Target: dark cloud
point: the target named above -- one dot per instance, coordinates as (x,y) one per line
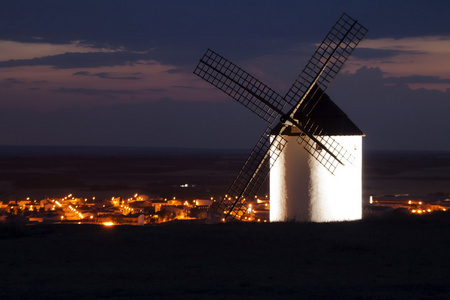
(174,71)
(84,91)
(106,75)
(10,82)
(368,53)
(416,79)
(109,75)
(186,87)
(82,73)
(39,81)
(155,90)
(13,81)
(79,60)
(393,116)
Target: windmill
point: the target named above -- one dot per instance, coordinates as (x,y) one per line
(301,115)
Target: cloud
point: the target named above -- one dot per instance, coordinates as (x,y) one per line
(110,75)
(39,81)
(392,115)
(416,79)
(16,82)
(186,87)
(80,60)
(422,62)
(370,53)
(417,44)
(174,71)
(92,92)
(106,75)
(9,81)
(11,50)
(82,73)
(157,90)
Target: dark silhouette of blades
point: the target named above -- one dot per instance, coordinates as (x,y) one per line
(240,85)
(316,146)
(312,83)
(326,62)
(316,140)
(252,175)
(252,93)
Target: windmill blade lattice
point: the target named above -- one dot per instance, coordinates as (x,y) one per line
(324,157)
(260,99)
(252,175)
(240,85)
(325,63)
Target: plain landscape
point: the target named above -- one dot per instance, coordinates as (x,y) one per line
(400,257)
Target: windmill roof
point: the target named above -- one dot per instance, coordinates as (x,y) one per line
(331,119)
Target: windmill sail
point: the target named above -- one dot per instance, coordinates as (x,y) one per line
(252,175)
(240,85)
(325,63)
(265,103)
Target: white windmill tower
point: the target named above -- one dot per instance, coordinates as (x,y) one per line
(301,189)
(304,185)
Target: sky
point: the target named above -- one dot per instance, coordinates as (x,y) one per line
(119,73)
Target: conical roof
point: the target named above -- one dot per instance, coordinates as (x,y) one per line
(331,119)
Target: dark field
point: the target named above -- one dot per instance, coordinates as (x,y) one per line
(116,173)
(370,259)
(403,257)
(107,172)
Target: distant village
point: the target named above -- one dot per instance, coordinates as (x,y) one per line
(136,210)
(406,204)
(142,210)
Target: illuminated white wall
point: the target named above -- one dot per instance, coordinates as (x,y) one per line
(302,190)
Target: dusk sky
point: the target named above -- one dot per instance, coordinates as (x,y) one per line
(119,73)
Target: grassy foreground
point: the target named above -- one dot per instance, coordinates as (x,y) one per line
(406,258)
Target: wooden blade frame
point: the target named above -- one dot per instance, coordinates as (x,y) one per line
(240,85)
(252,175)
(325,63)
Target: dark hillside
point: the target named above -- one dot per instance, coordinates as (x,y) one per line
(373,259)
